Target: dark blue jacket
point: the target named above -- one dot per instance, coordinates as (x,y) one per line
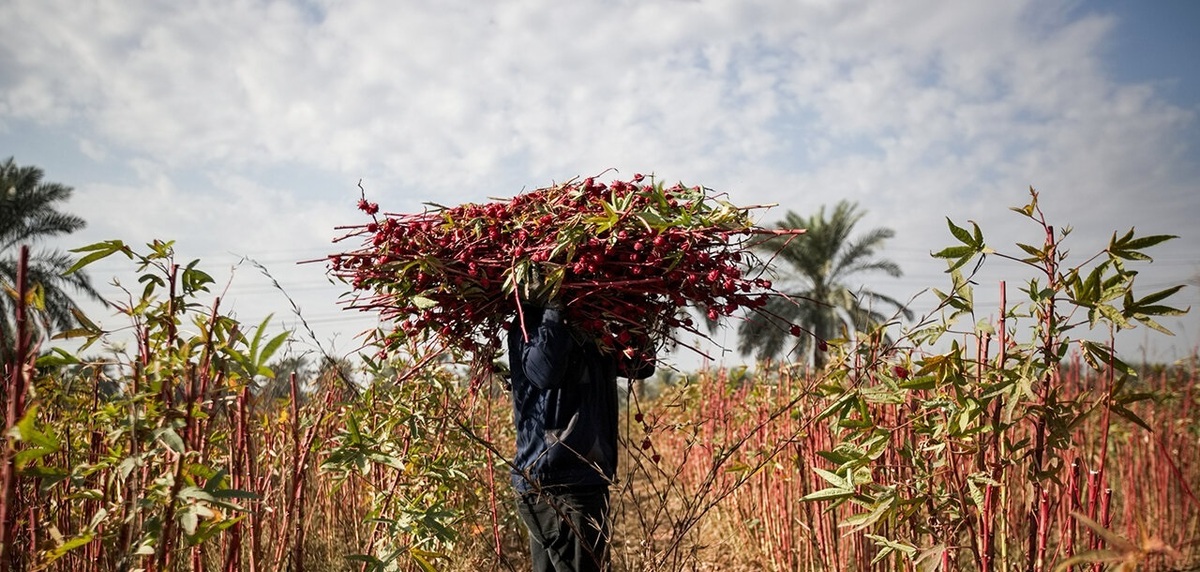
(564,404)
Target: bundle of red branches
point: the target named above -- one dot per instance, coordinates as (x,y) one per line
(625,259)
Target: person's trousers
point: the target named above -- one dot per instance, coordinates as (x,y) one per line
(568,529)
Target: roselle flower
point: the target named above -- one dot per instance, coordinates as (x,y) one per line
(623,258)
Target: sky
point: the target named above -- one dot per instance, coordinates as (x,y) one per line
(242,129)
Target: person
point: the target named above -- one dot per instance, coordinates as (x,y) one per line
(564,392)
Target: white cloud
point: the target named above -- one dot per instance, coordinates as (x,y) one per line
(917,110)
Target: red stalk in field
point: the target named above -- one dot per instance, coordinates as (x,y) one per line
(301,449)
(1105,515)
(9,503)
(1043,533)
(987,550)
(238,479)
(491,477)
(250,469)
(1110,381)
(1071,528)
(1093,507)
(298,477)
(164,551)
(1038,529)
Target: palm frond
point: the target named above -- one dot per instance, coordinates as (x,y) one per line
(821,263)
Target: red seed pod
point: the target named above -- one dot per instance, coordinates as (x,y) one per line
(367,207)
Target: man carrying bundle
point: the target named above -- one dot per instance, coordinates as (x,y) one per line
(564,391)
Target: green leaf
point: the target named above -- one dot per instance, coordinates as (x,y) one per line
(842,486)
(234,494)
(1153,325)
(194,280)
(1115,316)
(888,546)
(1030,207)
(827,494)
(954,252)
(208,529)
(844,403)
(1159,296)
(961,233)
(171,439)
(67,546)
(1034,252)
(860,521)
(834,478)
(1131,416)
(917,383)
(419,556)
(98,251)
(26,430)
(1129,248)
(214,482)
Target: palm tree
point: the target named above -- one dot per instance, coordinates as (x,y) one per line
(29,214)
(819,301)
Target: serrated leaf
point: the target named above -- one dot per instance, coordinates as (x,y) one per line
(1034,252)
(860,521)
(1150,323)
(922,382)
(834,478)
(1114,315)
(827,494)
(98,251)
(1131,416)
(901,546)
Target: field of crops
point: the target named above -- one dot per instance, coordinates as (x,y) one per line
(411,474)
(1017,446)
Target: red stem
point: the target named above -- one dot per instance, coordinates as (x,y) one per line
(9,503)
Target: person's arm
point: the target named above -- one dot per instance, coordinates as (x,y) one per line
(545,354)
